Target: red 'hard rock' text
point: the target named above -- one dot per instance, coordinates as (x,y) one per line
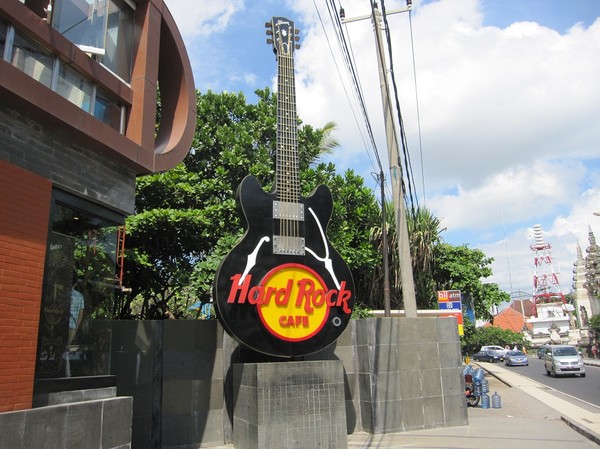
(308,295)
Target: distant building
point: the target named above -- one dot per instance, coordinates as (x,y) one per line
(78,107)
(524,307)
(509,319)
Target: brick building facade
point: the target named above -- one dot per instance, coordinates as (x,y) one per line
(78,90)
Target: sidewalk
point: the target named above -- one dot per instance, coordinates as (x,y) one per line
(531,417)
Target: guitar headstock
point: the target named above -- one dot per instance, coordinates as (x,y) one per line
(282,35)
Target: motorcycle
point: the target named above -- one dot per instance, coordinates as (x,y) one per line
(470,394)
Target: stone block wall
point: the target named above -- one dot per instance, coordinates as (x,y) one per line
(285,405)
(95,424)
(49,153)
(173,369)
(399,374)
(409,374)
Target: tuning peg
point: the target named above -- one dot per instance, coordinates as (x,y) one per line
(269,32)
(296,38)
(297,46)
(269,41)
(296,31)
(268,25)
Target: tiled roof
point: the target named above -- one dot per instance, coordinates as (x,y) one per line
(510,319)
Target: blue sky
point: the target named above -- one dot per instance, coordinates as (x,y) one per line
(508,97)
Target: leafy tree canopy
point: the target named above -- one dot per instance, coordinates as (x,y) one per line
(475,338)
(462,268)
(185,220)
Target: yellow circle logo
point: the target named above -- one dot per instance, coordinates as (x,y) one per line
(296,302)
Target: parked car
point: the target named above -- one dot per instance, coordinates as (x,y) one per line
(563,360)
(516,358)
(499,349)
(541,352)
(487,356)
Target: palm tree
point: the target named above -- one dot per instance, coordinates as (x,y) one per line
(424,234)
(328,142)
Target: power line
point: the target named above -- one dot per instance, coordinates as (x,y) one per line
(412,47)
(407,162)
(348,58)
(352,108)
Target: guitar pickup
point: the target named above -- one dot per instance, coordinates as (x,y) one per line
(288,245)
(284,210)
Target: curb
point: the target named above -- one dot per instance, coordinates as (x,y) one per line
(589,434)
(593,436)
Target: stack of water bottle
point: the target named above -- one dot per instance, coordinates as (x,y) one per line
(481,388)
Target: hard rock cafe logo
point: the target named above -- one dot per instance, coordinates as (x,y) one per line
(293,301)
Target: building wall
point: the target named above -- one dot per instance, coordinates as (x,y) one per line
(48,142)
(74,167)
(400,374)
(25,206)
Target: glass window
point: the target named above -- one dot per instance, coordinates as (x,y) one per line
(107,111)
(79,286)
(83,22)
(74,87)
(32,59)
(119,39)
(103,28)
(3,31)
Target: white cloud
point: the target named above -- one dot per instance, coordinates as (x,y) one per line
(508,119)
(203,17)
(514,259)
(520,191)
(509,116)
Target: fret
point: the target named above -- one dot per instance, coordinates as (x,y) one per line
(288,209)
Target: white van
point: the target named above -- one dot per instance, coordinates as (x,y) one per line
(499,349)
(562,360)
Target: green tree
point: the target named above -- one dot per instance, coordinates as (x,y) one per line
(424,232)
(186,220)
(595,324)
(436,265)
(476,337)
(462,268)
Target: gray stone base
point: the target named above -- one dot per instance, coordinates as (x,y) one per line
(283,405)
(93,424)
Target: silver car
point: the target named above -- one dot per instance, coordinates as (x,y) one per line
(562,360)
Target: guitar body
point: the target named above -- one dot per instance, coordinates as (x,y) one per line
(299,332)
(283,290)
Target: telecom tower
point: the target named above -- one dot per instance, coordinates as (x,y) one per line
(546,288)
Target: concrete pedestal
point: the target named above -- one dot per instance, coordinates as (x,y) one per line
(283,405)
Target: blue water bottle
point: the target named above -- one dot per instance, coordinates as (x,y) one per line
(496,400)
(485,401)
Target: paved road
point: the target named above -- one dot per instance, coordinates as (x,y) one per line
(586,389)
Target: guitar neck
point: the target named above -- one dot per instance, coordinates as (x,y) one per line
(287,182)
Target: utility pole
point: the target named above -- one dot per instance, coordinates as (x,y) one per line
(408,286)
(384,250)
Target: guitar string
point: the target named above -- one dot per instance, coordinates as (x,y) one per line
(288,169)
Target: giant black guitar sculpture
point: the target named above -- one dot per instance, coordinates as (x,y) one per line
(284,290)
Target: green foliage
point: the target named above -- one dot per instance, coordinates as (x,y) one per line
(186,220)
(474,338)
(462,268)
(595,324)
(360,311)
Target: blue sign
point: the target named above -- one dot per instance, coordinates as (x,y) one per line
(450,305)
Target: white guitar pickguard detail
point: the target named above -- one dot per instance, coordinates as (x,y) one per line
(251,259)
(326,260)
